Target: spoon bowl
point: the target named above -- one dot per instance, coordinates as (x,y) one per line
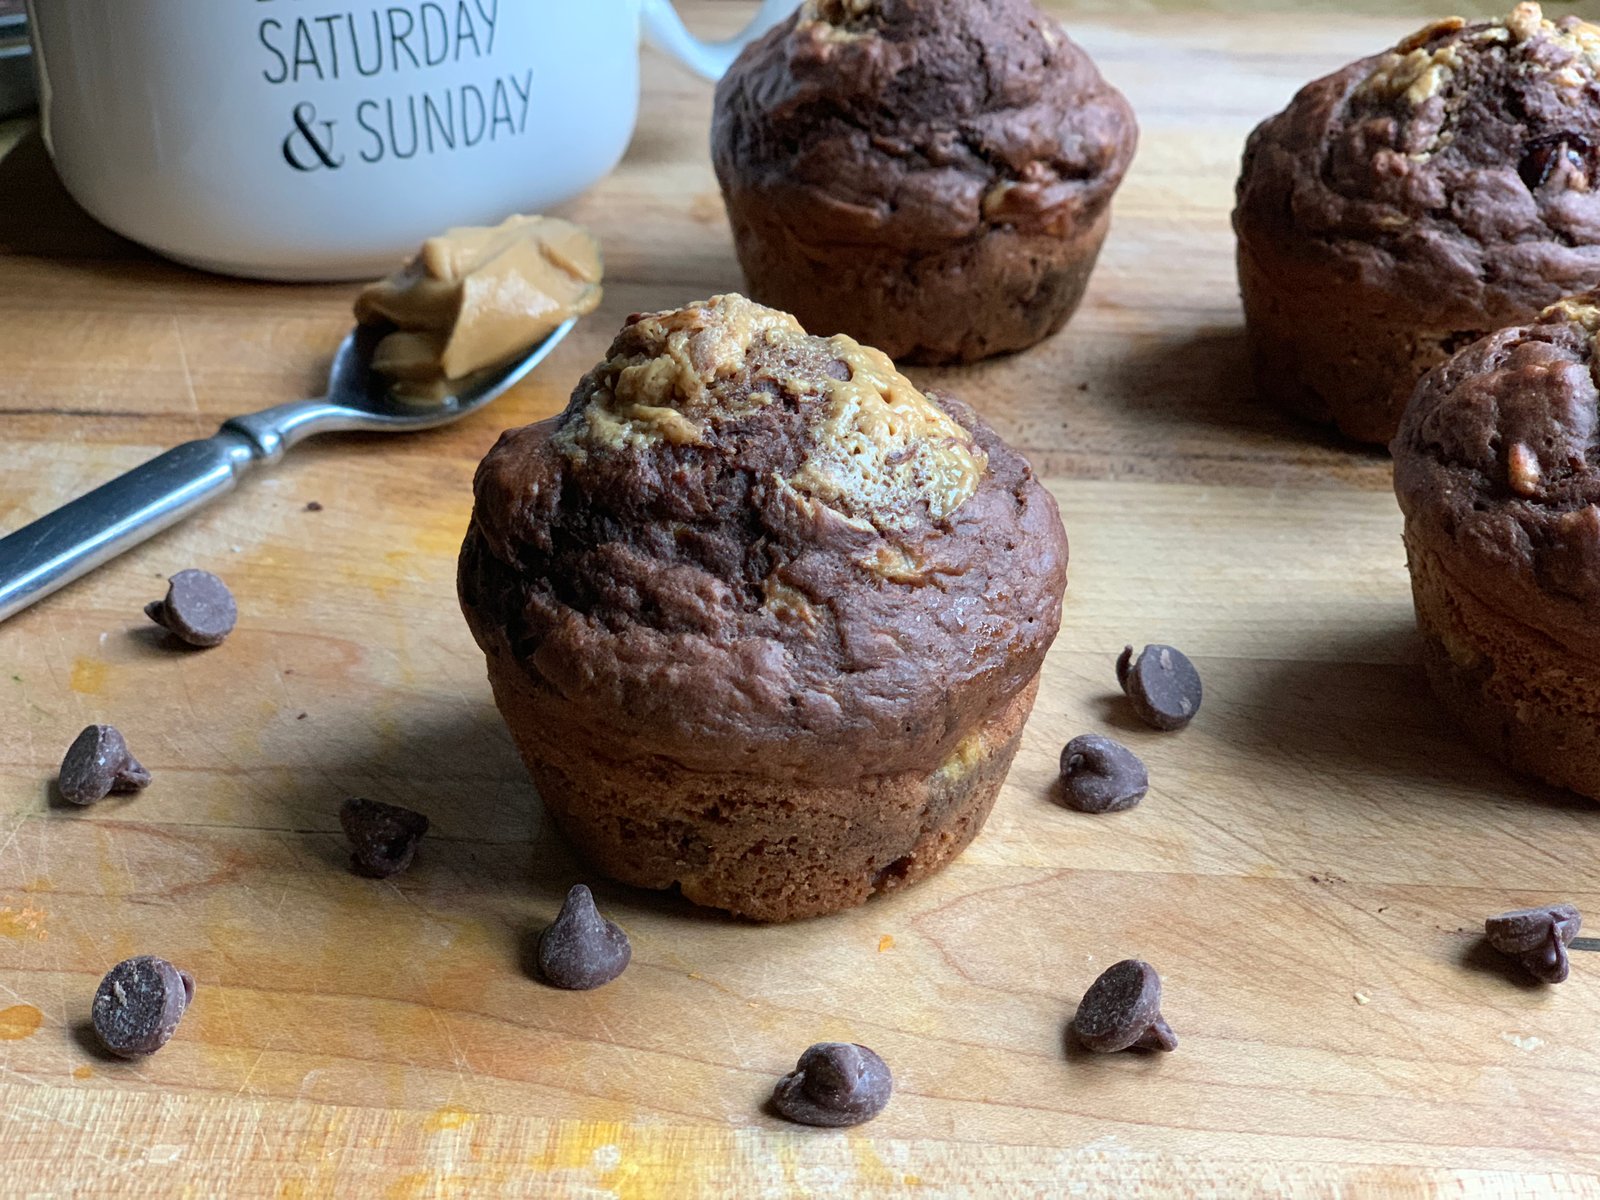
(354,385)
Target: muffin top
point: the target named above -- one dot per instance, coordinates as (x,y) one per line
(910,122)
(1459,165)
(742,547)
(1495,463)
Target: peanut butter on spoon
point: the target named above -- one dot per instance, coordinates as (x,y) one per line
(476,296)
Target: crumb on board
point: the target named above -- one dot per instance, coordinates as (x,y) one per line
(885,942)
(1363,998)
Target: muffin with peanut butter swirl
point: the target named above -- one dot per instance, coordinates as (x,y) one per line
(1497,468)
(1414,202)
(764,620)
(933,177)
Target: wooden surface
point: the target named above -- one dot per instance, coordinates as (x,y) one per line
(1308,872)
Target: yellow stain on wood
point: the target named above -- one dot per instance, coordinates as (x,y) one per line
(26,922)
(646,1168)
(632,1163)
(448,1117)
(407,1187)
(571,1146)
(788,1158)
(885,942)
(319,1187)
(19,1021)
(88,677)
(42,884)
(83,1072)
(871,1170)
(441,537)
(308,1189)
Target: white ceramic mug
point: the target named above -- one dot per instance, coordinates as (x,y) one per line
(324,139)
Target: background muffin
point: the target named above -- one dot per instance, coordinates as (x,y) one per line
(933,177)
(764,620)
(1495,471)
(1413,202)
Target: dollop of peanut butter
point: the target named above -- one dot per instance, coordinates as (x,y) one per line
(477,296)
(879,451)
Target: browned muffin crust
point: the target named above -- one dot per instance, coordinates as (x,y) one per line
(1414,201)
(1496,471)
(758,571)
(931,176)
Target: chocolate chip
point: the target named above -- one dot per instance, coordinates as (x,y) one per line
(139,1004)
(97,764)
(1122,1010)
(1538,937)
(1542,155)
(199,608)
(837,368)
(581,949)
(1162,685)
(383,837)
(834,1084)
(1099,775)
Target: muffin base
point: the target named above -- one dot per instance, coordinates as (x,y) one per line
(1521,695)
(1328,349)
(993,294)
(759,848)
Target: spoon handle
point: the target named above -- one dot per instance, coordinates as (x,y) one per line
(81,535)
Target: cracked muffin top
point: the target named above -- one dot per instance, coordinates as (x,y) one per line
(743,546)
(1461,164)
(916,122)
(1496,462)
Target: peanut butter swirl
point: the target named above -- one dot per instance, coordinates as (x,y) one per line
(879,450)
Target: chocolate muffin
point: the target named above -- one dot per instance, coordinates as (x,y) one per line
(933,177)
(764,620)
(1496,471)
(1414,202)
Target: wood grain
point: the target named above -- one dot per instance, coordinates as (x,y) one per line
(1308,872)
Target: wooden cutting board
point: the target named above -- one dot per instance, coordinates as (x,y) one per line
(1309,871)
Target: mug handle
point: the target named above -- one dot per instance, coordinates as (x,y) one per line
(665,30)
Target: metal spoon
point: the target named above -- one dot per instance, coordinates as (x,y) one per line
(78,537)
